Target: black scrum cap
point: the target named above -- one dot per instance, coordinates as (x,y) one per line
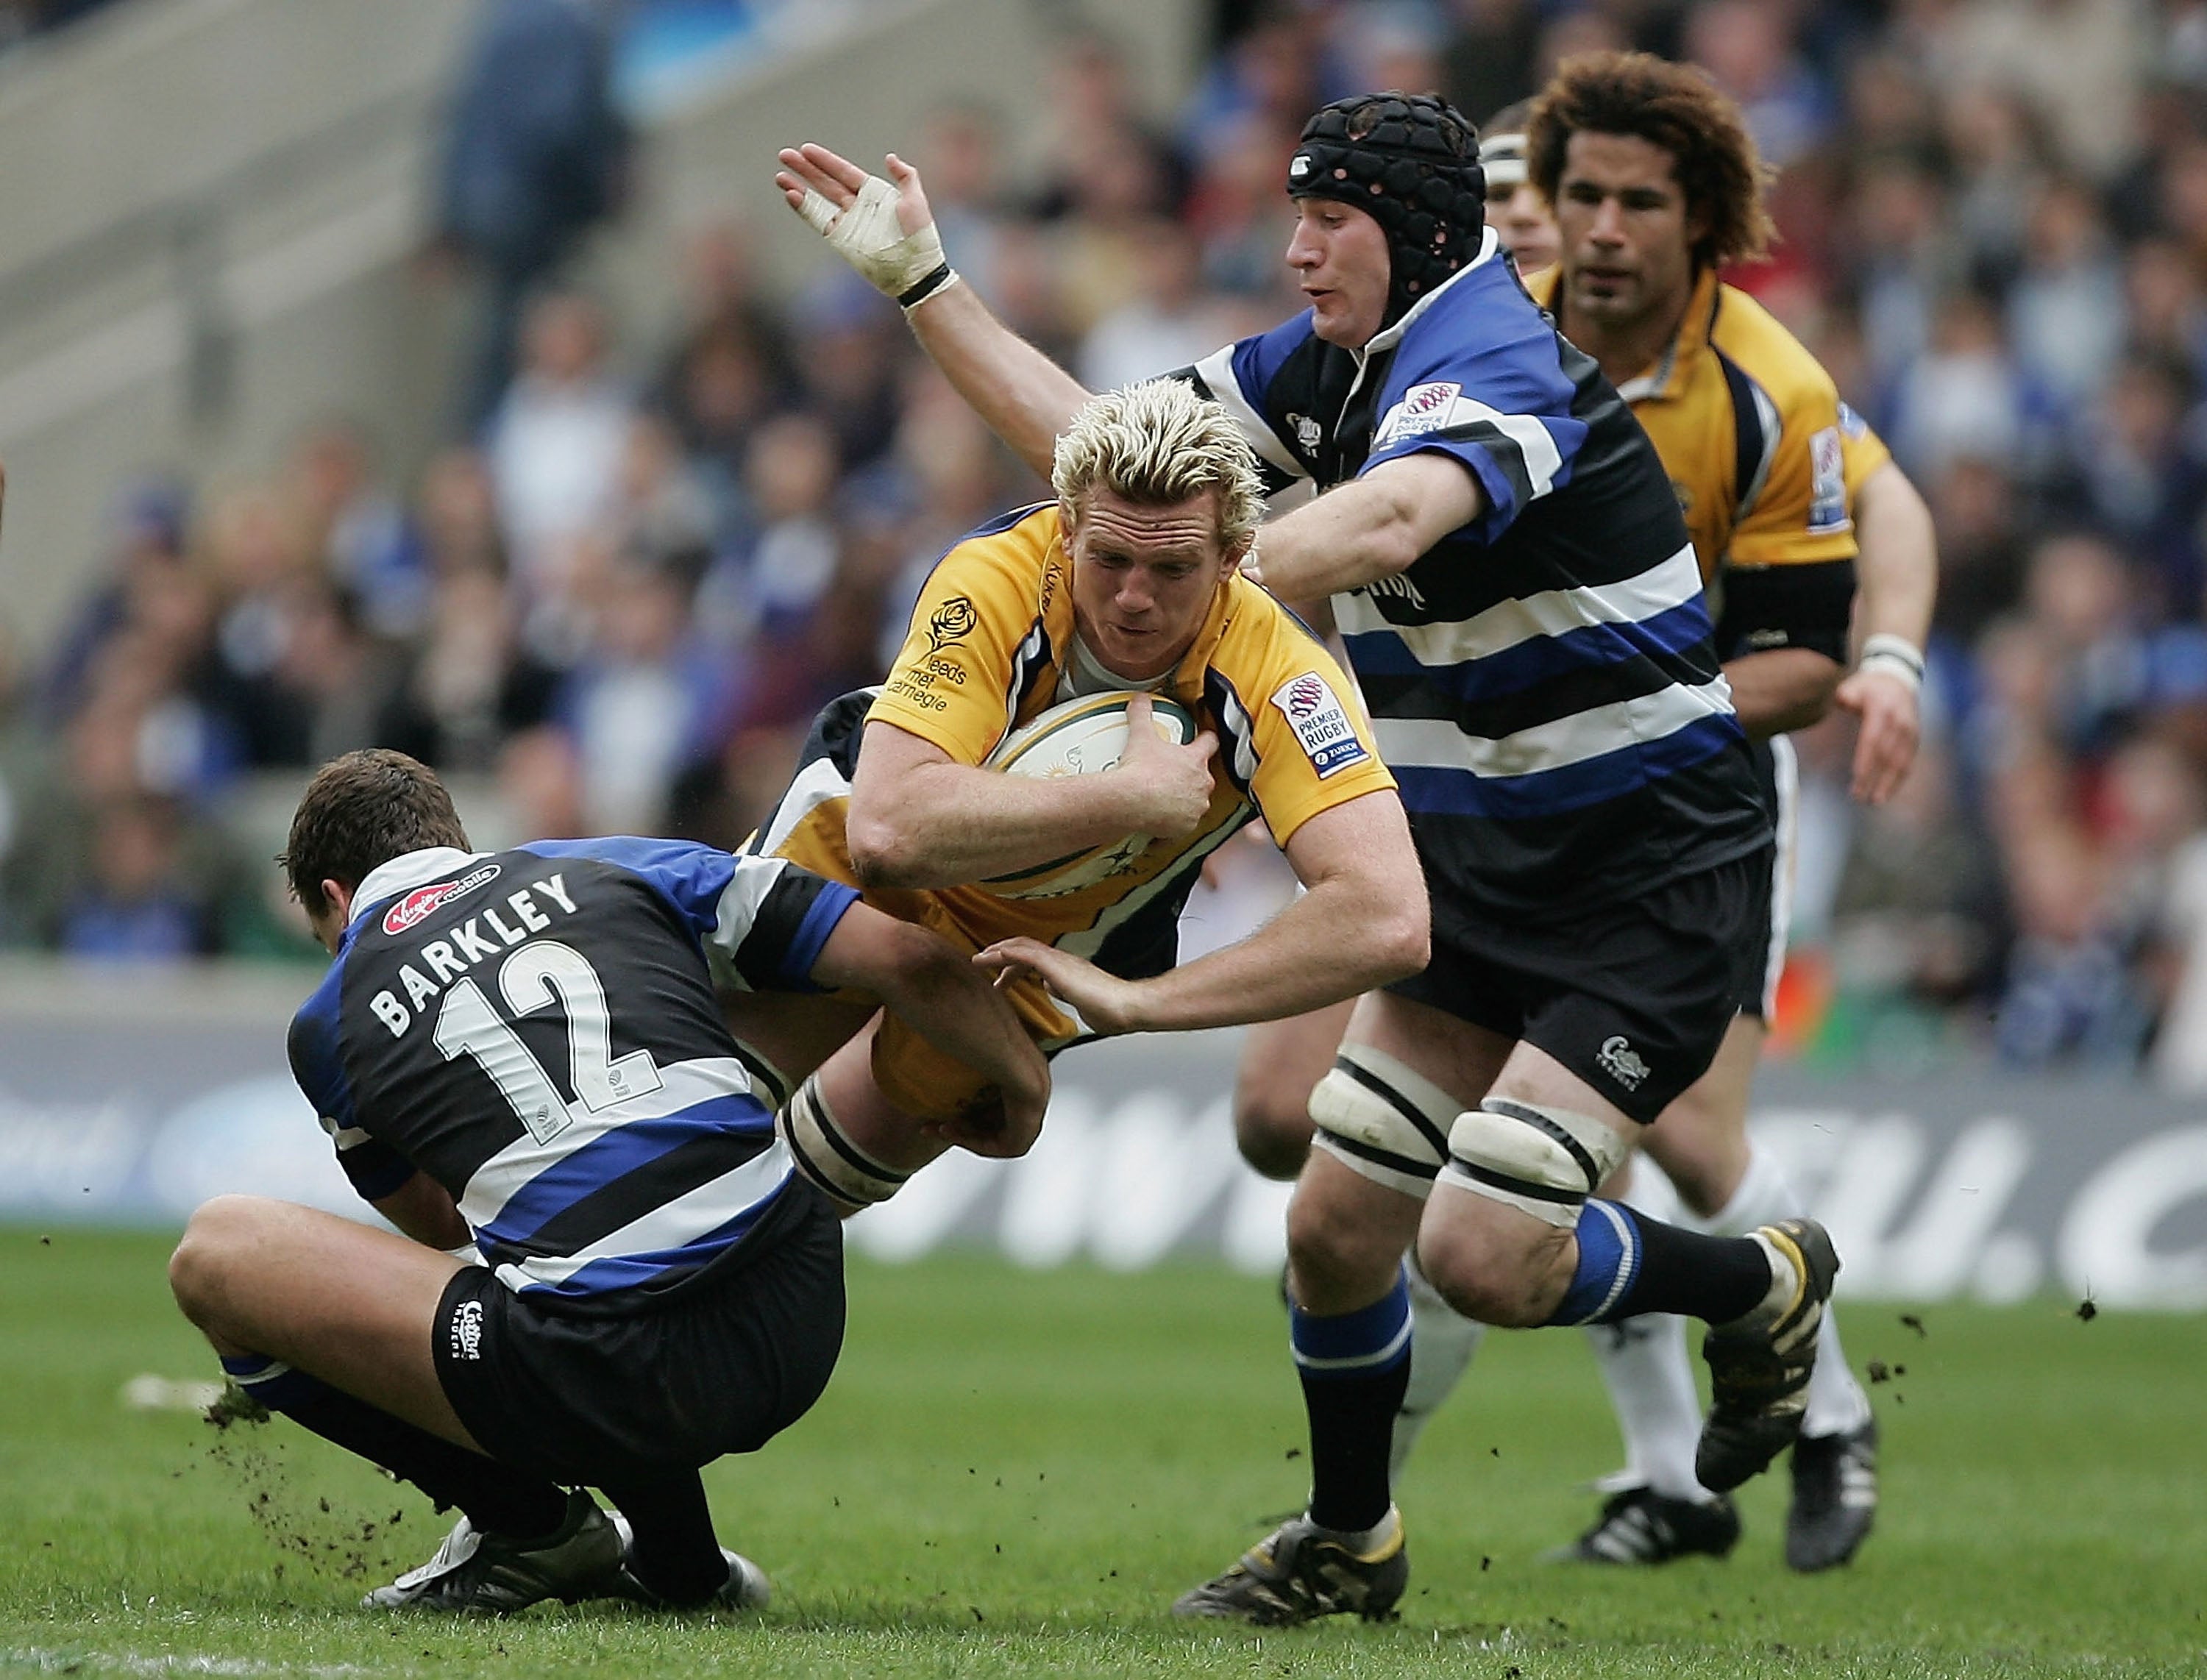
(1410,162)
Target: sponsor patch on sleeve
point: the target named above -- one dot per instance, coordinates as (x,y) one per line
(1321,723)
(1827,493)
(1424,408)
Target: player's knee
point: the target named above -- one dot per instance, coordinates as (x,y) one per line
(1540,1163)
(208,1254)
(1332,1246)
(1488,1270)
(1272,1129)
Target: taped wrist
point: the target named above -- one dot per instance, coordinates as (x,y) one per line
(827,1158)
(1895,655)
(1540,1160)
(868,236)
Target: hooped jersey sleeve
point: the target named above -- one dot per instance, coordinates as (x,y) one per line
(1490,393)
(762,921)
(976,637)
(1240,378)
(372,1167)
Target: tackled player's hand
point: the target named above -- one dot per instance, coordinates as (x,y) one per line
(884,230)
(1173,784)
(1887,712)
(1105,1002)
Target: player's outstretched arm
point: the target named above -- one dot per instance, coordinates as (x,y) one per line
(919,818)
(884,230)
(1898,579)
(1362,923)
(939,994)
(1370,528)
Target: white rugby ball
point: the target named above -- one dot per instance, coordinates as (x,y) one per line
(1082,737)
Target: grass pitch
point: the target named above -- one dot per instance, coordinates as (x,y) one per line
(1015,1472)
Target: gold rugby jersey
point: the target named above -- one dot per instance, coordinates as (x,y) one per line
(990,640)
(1764,461)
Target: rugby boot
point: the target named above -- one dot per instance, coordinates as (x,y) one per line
(1640,1526)
(747,1588)
(1835,1498)
(1759,1365)
(487,1575)
(1300,1572)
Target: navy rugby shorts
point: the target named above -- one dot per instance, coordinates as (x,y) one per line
(1633,997)
(719,1366)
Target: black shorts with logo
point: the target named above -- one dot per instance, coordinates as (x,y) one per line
(1633,997)
(719,1366)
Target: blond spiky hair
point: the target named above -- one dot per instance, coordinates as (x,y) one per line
(1156,444)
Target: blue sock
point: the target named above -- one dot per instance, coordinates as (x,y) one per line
(1355,1367)
(495,1497)
(1629,1264)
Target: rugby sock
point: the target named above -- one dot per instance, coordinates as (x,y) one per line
(1837,1401)
(497,1499)
(1651,1387)
(1628,1264)
(1355,1367)
(1442,1343)
(672,1551)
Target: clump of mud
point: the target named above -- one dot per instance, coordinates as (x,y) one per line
(332,1542)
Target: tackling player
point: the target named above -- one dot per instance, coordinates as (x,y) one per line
(521,1054)
(1523,608)
(1656,185)
(1126,583)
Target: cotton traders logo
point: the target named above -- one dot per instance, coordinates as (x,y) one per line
(467,1331)
(411,911)
(1621,1061)
(950,622)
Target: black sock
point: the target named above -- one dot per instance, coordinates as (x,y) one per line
(1628,1263)
(672,1551)
(1355,1368)
(497,1499)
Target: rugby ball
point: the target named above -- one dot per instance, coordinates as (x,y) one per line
(1082,737)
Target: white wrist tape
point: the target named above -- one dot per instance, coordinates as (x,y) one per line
(1895,655)
(869,238)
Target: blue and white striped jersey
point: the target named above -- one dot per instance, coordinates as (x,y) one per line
(1542,682)
(537,1029)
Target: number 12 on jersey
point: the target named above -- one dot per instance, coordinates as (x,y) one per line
(534,977)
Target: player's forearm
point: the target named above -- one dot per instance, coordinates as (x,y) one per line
(1354,534)
(1020,394)
(422,1209)
(1371,528)
(1781,691)
(941,996)
(949,825)
(1347,936)
(1897,573)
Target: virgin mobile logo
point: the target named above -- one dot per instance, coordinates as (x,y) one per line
(410,910)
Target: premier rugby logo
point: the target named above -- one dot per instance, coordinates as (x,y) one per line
(416,906)
(1424,408)
(1320,723)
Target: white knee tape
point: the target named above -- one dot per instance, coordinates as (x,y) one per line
(1542,1161)
(830,1159)
(1382,1118)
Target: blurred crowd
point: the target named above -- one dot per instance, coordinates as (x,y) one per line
(615,598)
